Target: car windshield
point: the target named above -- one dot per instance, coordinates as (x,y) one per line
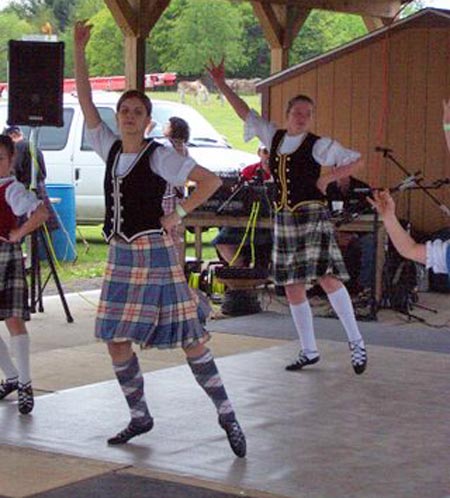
(202,133)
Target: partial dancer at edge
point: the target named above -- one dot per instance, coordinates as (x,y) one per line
(433,254)
(15,203)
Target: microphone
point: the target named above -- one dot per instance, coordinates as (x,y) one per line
(384,150)
(408,182)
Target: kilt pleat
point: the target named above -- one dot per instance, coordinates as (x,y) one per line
(13,286)
(305,247)
(145,297)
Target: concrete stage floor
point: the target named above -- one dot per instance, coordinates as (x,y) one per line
(320,433)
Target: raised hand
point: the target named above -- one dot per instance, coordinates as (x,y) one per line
(383,202)
(82,33)
(168,221)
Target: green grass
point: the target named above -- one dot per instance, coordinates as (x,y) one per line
(92,253)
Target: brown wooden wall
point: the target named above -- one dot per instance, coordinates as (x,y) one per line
(405,76)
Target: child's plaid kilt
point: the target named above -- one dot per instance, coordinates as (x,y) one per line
(145,297)
(305,247)
(13,286)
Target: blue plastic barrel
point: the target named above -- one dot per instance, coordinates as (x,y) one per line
(62,197)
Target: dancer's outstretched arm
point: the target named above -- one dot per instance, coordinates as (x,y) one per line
(217,73)
(82,33)
(403,242)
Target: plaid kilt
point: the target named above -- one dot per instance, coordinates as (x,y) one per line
(305,247)
(13,286)
(145,297)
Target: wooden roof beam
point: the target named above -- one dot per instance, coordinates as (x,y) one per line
(376,8)
(280,25)
(151,11)
(125,16)
(136,17)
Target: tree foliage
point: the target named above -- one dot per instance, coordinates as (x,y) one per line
(11,28)
(105,48)
(254,45)
(324,31)
(57,12)
(197,30)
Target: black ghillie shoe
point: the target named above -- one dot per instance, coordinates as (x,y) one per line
(235,436)
(8,386)
(302,361)
(131,430)
(359,357)
(26,399)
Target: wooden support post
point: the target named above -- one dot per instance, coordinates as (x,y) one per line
(135,62)
(136,18)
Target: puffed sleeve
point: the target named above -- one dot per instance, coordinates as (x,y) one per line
(329,152)
(173,167)
(436,255)
(101,138)
(21,200)
(256,126)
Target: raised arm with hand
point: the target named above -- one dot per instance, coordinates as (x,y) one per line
(217,73)
(82,33)
(446,121)
(403,242)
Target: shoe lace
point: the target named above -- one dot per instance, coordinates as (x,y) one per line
(358,354)
(302,359)
(26,396)
(235,433)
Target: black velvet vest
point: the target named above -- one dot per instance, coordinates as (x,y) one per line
(132,201)
(295,174)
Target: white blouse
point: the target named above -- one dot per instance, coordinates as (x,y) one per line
(326,151)
(21,201)
(436,255)
(164,161)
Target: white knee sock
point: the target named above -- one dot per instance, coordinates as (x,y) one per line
(343,306)
(6,363)
(303,321)
(20,347)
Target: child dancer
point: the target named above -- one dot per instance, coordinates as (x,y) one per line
(145,298)
(15,201)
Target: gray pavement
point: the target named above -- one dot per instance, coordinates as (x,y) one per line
(322,433)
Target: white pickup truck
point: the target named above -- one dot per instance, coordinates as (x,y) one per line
(70,160)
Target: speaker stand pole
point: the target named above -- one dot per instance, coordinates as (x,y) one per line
(37,288)
(51,263)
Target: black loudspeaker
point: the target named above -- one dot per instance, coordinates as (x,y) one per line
(35,83)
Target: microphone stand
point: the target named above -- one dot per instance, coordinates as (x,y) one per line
(387,153)
(411,182)
(228,201)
